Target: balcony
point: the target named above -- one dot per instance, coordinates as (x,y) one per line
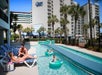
(3,16)
(4,4)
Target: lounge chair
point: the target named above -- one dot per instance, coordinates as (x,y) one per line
(33,61)
(4,58)
(7,48)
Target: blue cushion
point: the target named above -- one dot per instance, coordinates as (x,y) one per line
(2,52)
(15,51)
(29,60)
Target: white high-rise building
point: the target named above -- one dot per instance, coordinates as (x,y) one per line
(39,14)
(94,12)
(42,9)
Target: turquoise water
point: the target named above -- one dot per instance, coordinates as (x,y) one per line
(84,55)
(67,68)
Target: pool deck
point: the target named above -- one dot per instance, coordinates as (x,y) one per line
(23,69)
(98,54)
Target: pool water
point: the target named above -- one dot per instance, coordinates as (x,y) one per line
(67,68)
(84,55)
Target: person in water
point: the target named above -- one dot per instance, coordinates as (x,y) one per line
(20,59)
(54,58)
(49,50)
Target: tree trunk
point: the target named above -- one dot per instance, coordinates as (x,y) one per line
(60,39)
(75,31)
(53,30)
(91,41)
(65,32)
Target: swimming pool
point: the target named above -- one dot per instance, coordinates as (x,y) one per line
(84,55)
(68,67)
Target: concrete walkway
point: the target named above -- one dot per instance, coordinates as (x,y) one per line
(98,54)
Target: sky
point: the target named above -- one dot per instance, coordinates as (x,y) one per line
(26,6)
(20,5)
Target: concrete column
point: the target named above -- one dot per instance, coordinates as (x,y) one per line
(1,37)
(8,37)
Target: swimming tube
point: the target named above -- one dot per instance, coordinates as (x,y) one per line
(48,53)
(56,64)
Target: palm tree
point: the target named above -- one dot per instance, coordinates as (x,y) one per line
(93,23)
(42,29)
(19,27)
(15,23)
(85,28)
(49,32)
(52,20)
(91,40)
(98,23)
(59,31)
(64,21)
(39,32)
(28,30)
(76,11)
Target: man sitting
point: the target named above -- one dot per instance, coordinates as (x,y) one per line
(22,51)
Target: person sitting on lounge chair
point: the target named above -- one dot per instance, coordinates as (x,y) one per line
(20,59)
(22,51)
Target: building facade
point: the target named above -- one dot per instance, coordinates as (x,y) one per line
(23,18)
(4,22)
(42,9)
(94,12)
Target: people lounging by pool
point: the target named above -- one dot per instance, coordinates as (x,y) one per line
(20,59)
(22,51)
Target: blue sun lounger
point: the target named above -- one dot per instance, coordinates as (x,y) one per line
(6,49)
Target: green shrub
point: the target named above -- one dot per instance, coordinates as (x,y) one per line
(100,49)
(14,36)
(90,47)
(27,39)
(95,48)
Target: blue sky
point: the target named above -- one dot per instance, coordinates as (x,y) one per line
(20,5)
